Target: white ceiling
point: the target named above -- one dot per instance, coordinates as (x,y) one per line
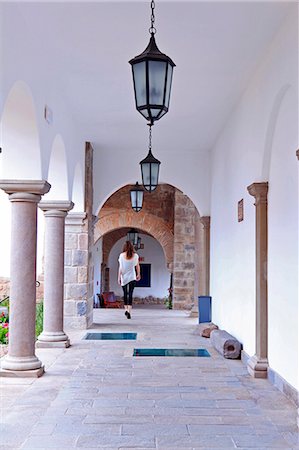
(85,47)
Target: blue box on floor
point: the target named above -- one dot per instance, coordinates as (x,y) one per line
(204,308)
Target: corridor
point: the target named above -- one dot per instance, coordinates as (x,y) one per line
(96,395)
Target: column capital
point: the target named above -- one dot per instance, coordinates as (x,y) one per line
(54,208)
(75,218)
(297,153)
(37,187)
(259,191)
(206,221)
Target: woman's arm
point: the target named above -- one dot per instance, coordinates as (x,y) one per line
(119,272)
(138,271)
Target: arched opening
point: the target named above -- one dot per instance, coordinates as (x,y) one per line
(78,190)
(19,143)
(57,173)
(20,137)
(170,223)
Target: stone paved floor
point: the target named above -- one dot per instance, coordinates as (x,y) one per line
(95,395)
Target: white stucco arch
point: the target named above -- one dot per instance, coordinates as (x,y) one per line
(78,189)
(57,171)
(20,136)
(273,118)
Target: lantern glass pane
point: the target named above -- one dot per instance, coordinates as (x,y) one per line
(133,199)
(139,199)
(145,167)
(156,71)
(140,83)
(168,85)
(155,174)
(155,112)
(144,112)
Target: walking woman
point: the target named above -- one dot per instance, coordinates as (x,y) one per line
(128,274)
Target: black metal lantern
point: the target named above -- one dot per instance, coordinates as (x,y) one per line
(138,245)
(132,236)
(136,197)
(152,77)
(150,168)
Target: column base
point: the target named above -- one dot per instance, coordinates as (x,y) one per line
(258,367)
(53,344)
(54,338)
(20,363)
(35,373)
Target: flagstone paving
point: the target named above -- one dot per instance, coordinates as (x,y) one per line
(96,395)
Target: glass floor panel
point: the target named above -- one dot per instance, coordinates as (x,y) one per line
(171,352)
(110,336)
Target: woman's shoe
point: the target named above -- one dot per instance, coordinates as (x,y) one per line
(126,313)
(129,315)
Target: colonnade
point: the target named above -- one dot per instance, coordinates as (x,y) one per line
(25,197)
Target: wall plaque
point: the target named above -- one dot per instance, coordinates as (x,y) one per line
(241,210)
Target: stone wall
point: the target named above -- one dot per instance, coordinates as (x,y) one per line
(160,203)
(4,287)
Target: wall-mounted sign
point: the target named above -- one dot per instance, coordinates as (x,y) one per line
(141,258)
(241,210)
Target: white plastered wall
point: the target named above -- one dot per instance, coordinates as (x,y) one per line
(259,144)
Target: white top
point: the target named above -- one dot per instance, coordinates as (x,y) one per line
(127,268)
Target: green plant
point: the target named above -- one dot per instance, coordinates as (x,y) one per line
(168,301)
(4,332)
(39,318)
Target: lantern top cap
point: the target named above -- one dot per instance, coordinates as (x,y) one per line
(150,159)
(137,187)
(152,53)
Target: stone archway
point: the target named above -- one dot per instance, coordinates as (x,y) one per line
(171,218)
(149,223)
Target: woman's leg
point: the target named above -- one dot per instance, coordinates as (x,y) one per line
(125,290)
(130,299)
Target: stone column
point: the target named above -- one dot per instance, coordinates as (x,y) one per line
(258,364)
(53,334)
(205,286)
(24,196)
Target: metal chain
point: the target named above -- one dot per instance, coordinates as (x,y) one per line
(150,138)
(152,29)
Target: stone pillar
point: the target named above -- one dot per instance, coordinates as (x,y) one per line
(24,196)
(53,334)
(258,364)
(205,286)
(78,306)
(184,252)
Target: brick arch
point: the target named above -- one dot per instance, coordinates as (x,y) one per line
(143,221)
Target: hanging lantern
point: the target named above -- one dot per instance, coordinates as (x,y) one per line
(132,236)
(152,78)
(136,197)
(138,245)
(150,168)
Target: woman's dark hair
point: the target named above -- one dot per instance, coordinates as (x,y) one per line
(129,249)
